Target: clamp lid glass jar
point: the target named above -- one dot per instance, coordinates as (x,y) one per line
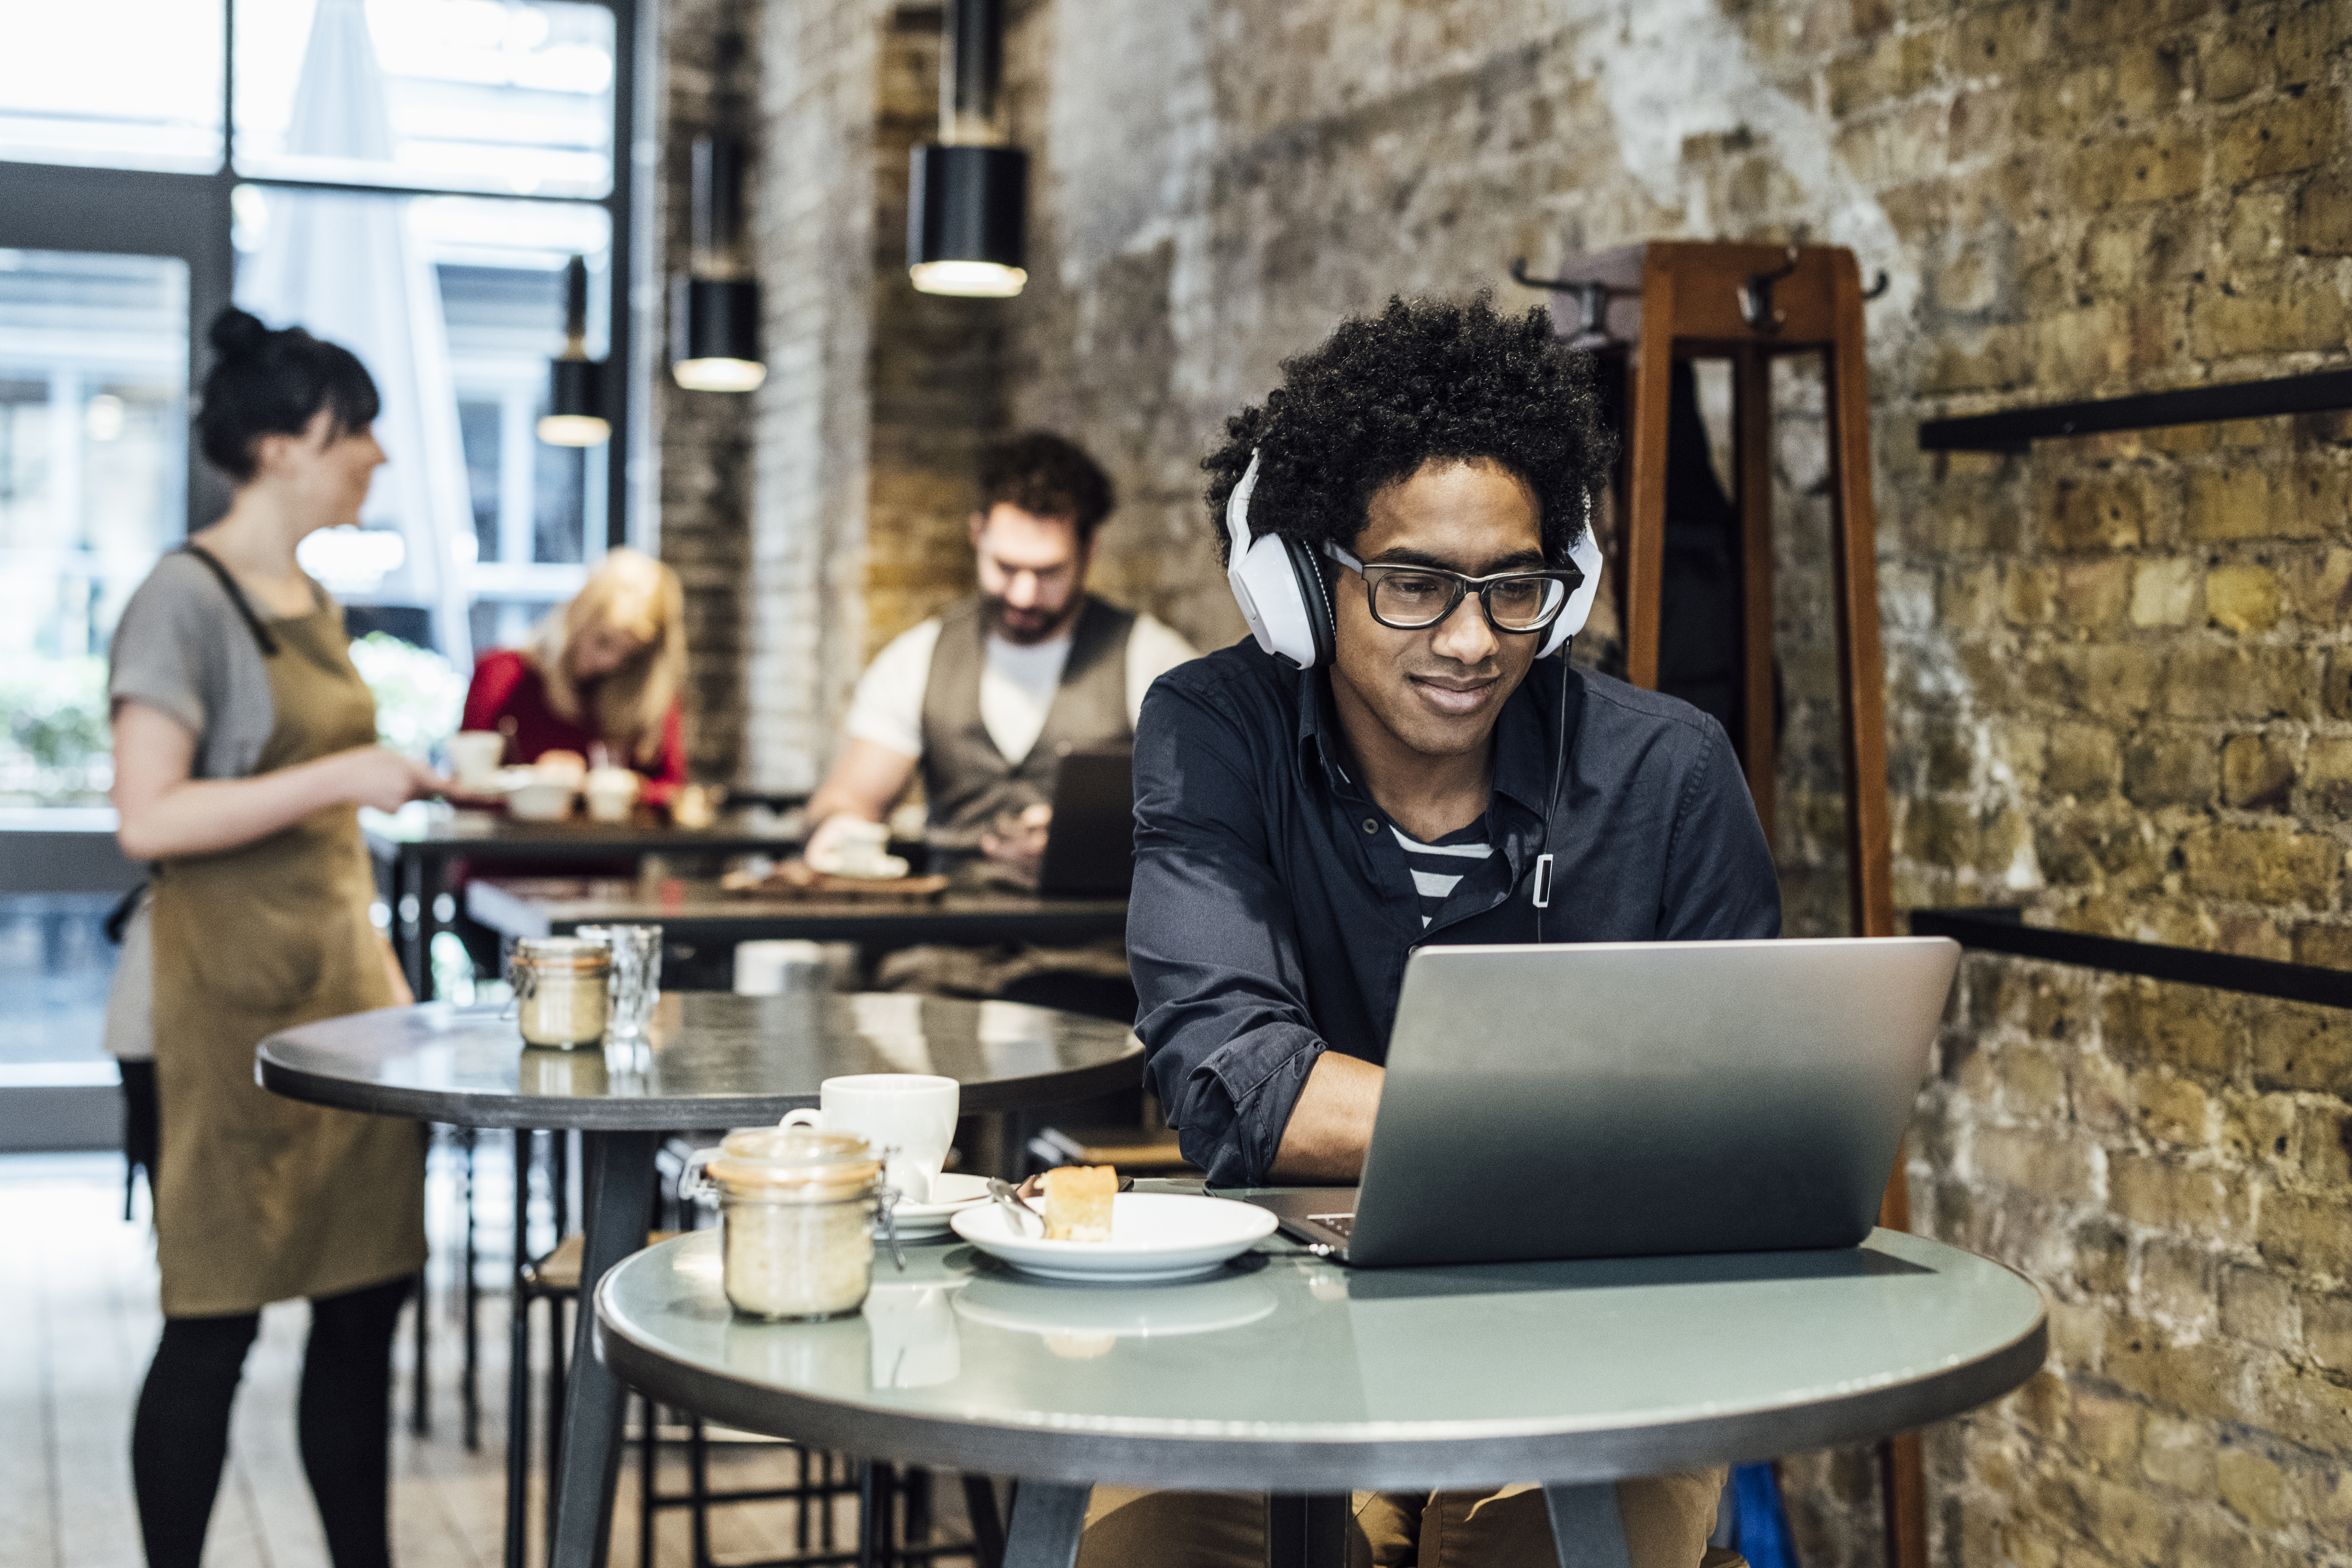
(796,1209)
(559,986)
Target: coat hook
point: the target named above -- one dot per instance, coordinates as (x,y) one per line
(1557,285)
(1592,299)
(1755,297)
(1878,286)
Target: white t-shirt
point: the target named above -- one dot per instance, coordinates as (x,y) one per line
(1015,688)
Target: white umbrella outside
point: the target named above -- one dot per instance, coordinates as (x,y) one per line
(348,267)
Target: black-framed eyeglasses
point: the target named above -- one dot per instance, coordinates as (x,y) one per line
(1406,598)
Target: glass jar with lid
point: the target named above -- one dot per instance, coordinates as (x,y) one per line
(559,987)
(796,1213)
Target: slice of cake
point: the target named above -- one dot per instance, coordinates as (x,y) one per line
(1077,1203)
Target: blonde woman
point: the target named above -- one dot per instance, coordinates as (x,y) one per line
(605,670)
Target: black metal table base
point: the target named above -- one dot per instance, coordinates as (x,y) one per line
(1047,1519)
(1310,1531)
(618,1198)
(1586,1528)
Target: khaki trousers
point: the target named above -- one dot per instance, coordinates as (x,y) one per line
(1668,1520)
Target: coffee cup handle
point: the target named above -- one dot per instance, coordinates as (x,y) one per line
(804,1117)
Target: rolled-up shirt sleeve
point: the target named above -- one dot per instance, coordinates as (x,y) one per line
(1212,940)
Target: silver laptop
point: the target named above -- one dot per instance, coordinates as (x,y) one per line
(1630,1099)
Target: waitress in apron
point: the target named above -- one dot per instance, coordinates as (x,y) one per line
(244,743)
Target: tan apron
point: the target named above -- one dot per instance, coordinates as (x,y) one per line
(259,1198)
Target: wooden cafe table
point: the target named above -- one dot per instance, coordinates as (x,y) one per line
(1287,1374)
(715,1060)
(694,913)
(417,843)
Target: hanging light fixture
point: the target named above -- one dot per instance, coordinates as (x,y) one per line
(969,197)
(575,390)
(715,309)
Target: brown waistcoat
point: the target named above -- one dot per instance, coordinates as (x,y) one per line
(967,781)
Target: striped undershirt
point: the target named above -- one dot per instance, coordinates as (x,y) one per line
(1439,868)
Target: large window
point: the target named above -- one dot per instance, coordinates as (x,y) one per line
(123,84)
(405,177)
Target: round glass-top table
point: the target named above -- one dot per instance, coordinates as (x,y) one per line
(1288,1374)
(712,1060)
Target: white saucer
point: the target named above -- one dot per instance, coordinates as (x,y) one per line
(1153,1235)
(951,1193)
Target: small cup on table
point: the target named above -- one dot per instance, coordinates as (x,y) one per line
(910,1116)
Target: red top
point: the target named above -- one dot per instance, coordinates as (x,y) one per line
(508,686)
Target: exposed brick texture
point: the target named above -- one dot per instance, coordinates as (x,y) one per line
(705,437)
(2118,676)
(815,222)
(937,368)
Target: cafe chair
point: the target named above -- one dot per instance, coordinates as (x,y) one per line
(553,1277)
(822,1477)
(894,1514)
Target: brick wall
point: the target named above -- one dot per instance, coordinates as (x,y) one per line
(705,437)
(2114,683)
(813,218)
(2119,686)
(937,371)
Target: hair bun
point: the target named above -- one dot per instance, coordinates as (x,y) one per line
(237,333)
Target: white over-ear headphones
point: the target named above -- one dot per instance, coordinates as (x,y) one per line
(1280,587)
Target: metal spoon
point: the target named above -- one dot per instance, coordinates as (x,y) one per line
(1008,1194)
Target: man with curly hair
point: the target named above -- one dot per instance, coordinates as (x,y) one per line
(1300,830)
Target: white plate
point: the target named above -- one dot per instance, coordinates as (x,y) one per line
(950,1195)
(1153,1235)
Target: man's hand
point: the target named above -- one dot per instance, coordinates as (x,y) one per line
(1019,846)
(1331,1124)
(863,783)
(822,850)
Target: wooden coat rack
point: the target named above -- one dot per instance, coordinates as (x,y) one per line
(1751,304)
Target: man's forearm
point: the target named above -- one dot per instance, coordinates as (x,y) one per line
(1331,1125)
(863,783)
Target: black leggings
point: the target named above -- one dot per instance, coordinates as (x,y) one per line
(179,1440)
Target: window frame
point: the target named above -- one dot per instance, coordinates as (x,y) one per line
(87,207)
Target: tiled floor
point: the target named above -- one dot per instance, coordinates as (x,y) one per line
(77,1321)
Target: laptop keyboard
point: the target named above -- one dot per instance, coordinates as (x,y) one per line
(1343,1223)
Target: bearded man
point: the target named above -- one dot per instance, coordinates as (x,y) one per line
(987,697)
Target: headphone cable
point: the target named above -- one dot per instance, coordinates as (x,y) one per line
(1545,862)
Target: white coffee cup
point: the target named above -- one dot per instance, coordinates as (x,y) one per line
(475,755)
(846,847)
(610,793)
(911,1114)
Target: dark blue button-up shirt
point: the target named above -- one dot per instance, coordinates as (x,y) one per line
(1270,923)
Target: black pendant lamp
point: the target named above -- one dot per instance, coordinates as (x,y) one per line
(970,194)
(575,392)
(714,308)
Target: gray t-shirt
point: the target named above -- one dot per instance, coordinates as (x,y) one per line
(182,648)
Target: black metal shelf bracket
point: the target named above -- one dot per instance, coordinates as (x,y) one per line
(2016,429)
(2005,931)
